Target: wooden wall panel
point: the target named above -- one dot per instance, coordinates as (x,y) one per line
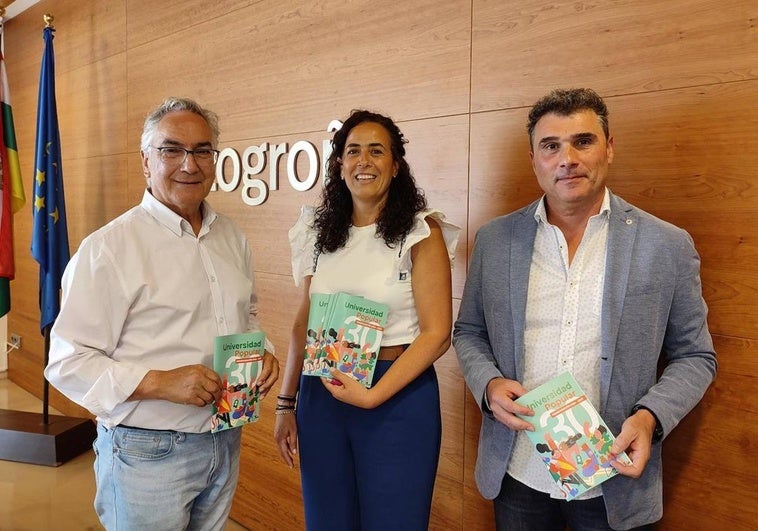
(500,172)
(147,24)
(452,396)
(91,108)
(447,504)
(711,442)
(95,188)
(523,49)
(22,40)
(276,68)
(478,512)
(688,156)
(679,78)
(84,34)
(135,185)
(438,154)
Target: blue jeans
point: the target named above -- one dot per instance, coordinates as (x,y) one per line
(520,508)
(165,480)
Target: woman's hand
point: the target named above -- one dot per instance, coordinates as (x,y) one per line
(285,429)
(345,389)
(285,435)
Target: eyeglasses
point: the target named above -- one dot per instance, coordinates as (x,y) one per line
(177,155)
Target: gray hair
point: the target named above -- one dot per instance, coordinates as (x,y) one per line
(173,104)
(565,102)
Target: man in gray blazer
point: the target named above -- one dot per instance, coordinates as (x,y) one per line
(581,281)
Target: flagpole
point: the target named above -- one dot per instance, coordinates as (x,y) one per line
(48,18)
(45,383)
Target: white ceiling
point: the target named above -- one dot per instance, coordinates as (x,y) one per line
(17,7)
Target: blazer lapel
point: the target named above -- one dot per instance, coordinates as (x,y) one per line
(524,231)
(622,230)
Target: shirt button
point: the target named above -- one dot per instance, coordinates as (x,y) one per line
(213,279)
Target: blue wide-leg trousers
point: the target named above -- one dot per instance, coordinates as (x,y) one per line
(369,470)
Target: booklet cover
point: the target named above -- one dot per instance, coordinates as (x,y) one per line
(344,332)
(569,435)
(238,360)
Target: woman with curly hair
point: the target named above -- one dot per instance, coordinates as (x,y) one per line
(368,457)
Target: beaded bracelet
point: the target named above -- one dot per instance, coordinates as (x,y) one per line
(285,404)
(284,411)
(286,398)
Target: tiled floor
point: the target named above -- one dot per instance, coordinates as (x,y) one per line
(41,498)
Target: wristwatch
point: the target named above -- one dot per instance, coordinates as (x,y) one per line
(658,431)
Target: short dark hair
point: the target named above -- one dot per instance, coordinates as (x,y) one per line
(565,102)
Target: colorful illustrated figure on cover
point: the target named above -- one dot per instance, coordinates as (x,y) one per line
(237,405)
(574,464)
(344,333)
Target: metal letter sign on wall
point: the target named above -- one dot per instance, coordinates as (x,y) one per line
(244,169)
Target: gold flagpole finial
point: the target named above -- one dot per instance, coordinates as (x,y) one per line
(2,13)
(48,20)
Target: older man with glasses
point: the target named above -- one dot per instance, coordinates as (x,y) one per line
(143,298)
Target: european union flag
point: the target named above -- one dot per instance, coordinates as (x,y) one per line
(49,232)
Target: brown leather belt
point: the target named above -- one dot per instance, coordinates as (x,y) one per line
(391,353)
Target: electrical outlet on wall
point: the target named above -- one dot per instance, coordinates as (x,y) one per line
(15,340)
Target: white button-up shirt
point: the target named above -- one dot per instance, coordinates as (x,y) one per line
(145,293)
(562,326)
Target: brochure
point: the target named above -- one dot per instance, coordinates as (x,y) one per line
(344,332)
(238,360)
(571,438)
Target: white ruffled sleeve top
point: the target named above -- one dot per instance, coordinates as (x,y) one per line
(366,266)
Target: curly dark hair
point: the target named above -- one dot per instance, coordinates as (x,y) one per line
(333,217)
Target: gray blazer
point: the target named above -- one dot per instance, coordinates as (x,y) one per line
(652,307)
